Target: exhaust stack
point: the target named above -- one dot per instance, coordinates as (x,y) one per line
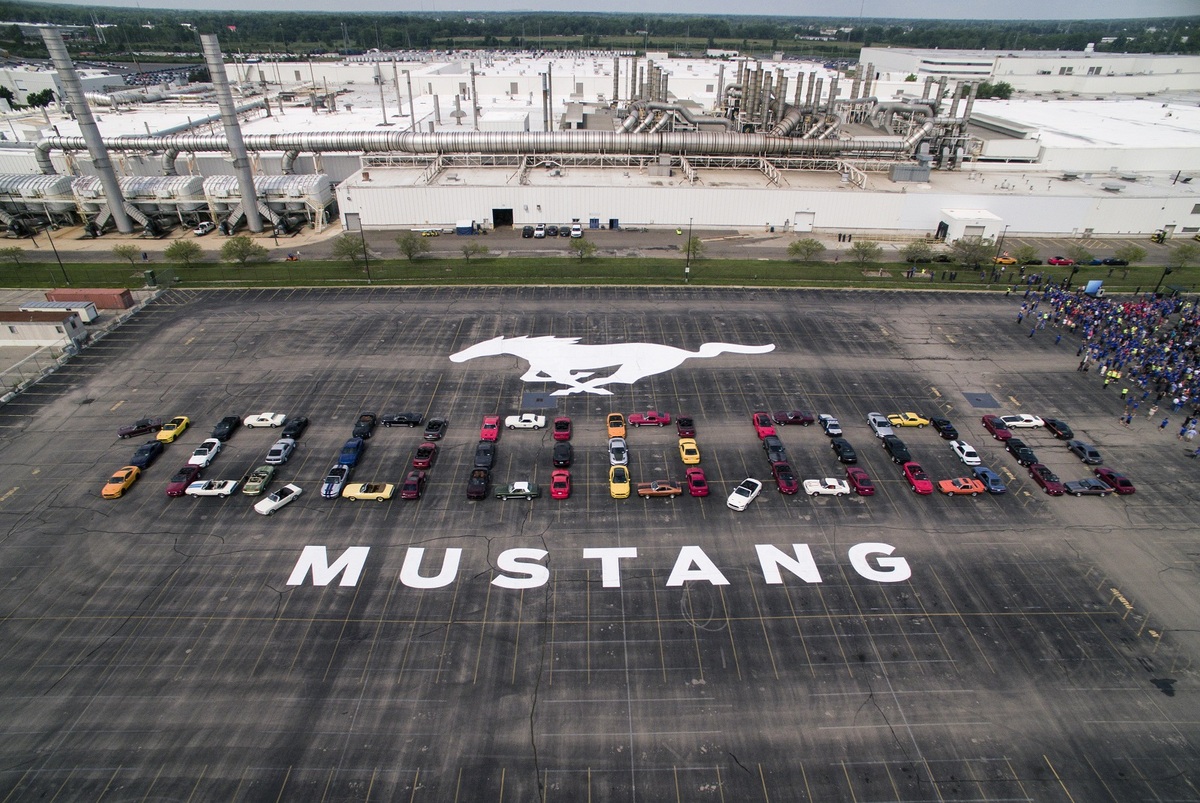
(233,131)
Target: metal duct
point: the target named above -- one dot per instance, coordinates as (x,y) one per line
(928,86)
(808,96)
(854,86)
(93,142)
(954,100)
(974,87)
(869,79)
(764,103)
(780,95)
(833,91)
(190,124)
(233,130)
(788,122)
(636,111)
(941,94)
(288,165)
(817,102)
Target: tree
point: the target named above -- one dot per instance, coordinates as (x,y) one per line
(13,253)
(126,251)
(1130,253)
(694,248)
(242,250)
(349,246)
(474,249)
(412,245)
(864,252)
(39,99)
(972,251)
(1081,255)
(184,251)
(805,250)
(583,248)
(916,251)
(911,78)
(1183,253)
(1024,254)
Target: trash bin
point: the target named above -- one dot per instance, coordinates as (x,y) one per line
(151,279)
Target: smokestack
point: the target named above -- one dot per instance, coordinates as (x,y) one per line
(633,73)
(869,80)
(233,131)
(941,94)
(954,101)
(88,128)
(474,104)
(974,87)
(720,104)
(616,79)
(412,111)
(545,107)
(928,86)
(550,93)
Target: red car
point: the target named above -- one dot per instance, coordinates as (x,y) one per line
(562,428)
(801,417)
(763,425)
(697,484)
(560,483)
(784,478)
(650,418)
(1046,478)
(182,479)
(1060,261)
(685,426)
(1118,481)
(915,475)
(425,455)
(859,481)
(414,485)
(994,425)
(490,430)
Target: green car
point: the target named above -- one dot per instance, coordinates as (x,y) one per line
(258,480)
(519,490)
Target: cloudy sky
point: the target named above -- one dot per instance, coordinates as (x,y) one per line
(910,9)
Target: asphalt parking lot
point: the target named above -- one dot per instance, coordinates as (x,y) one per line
(935,648)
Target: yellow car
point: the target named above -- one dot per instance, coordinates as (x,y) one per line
(120,482)
(173,429)
(689,452)
(618,482)
(378,491)
(1004,260)
(907,420)
(616,425)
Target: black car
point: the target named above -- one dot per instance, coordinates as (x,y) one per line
(435,428)
(897,449)
(146,454)
(1113,262)
(479,482)
(485,454)
(224,429)
(844,451)
(1058,429)
(562,454)
(774,449)
(365,425)
(1085,452)
(564,231)
(527,233)
(140,427)
(1020,450)
(944,428)
(294,427)
(402,420)
(552,230)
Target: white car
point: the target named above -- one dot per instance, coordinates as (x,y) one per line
(280,451)
(205,453)
(744,494)
(265,420)
(618,452)
(1022,421)
(829,486)
(576,231)
(831,425)
(539,231)
(278,499)
(211,488)
(879,424)
(525,421)
(204,228)
(966,453)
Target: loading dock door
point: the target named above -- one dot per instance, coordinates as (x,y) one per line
(803,221)
(502,218)
(974,232)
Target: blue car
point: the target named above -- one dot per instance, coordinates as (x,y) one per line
(990,479)
(352,452)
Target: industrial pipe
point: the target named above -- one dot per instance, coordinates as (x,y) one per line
(233,131)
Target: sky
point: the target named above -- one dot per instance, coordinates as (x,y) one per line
(903,9)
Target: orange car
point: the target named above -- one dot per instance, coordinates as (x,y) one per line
(961,486)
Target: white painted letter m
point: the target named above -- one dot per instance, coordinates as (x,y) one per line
(349,565)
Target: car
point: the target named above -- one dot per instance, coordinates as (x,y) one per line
(650,418)
(1060,261)
(896,449)
(1004,259)
(990,479)
(409,420)
(961,486)
(479,483)
(565,231)
(560,484)
(879,424)
(173,429)
(1089,486)
(576,231)
(489,430)
(618,482)
(527,232)
(525,421)
(205,453)
(552,230)
(425,455)
(413,485)
(539,231)
(562,455)
(1113,262)
(485,454)
(360,491)
(294,428)
(745,493)
(365,425)
(562,428)
(829,486)
(831,425)
(146,454)
(335,480)
(221,488)
(658,488)
(1022,421)
(1059,429)
(1115,480)
(844,451)
(140,427)
(205,227)
(908,419)
(120,482)
(1046,478)
(351,453)
(519,490)
(860,481)
(966,453)
(689,452)
(801,417)
(1020,450)
(994,425)
(280,451)
(284,496)
(225,428)
(763,425)
(184,477)
(616,425)
(773,446)
(697,483)
(618,452)
(435,428)
(944,428)
(685,427)
(916,477)
(265,420)
(1089,454)
(785,478)
(258,480)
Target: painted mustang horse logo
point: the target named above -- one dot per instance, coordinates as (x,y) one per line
(563,360)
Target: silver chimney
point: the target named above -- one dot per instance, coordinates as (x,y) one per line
(233,131)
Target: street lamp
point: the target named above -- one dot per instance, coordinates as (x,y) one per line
(366,258)
(1166,272)
(687,264)
(57,257)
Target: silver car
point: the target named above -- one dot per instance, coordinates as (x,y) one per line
(879,424)
(280,451)
(618,452)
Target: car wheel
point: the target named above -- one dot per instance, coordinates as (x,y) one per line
(1079,494)
(814,493)
(512,427)
(224,496)
(839,494)
(379,499)
(974,493)
(920,426)
(274,425)
(948,493)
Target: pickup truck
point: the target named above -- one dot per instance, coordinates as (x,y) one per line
(519,490)
(650,418)
(658,488)
(525,421)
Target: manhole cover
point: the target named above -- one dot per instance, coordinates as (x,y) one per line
(983,400)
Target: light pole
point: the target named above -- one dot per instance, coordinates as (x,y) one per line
(366,258)
(687,264)
(1000,245)
(1166,272)
(57,257)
